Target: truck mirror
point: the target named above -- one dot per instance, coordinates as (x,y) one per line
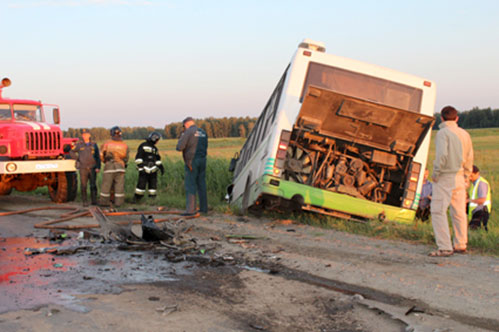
(56,116)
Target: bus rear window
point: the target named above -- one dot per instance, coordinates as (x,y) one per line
(363,86)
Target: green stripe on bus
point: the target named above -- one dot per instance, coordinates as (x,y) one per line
(336,201)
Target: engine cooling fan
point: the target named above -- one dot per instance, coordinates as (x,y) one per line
(299,164)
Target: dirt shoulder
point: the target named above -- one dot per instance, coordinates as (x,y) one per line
(464,287)
(285,277)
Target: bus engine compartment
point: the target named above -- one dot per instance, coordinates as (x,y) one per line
(354,147)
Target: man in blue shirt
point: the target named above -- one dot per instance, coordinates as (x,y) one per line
(194,145)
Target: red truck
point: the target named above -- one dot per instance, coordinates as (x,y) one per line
(33,153)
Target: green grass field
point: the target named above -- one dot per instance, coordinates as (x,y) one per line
(171,190)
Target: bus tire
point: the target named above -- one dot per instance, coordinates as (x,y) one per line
(246,196)
(58,189)
(297,202)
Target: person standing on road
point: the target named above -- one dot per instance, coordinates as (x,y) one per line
(194,145)
(114,153)
(451,173)
(86,153)
(148,163)
(480,200)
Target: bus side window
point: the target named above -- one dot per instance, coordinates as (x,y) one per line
(262,126)
(245,152)
(278,93)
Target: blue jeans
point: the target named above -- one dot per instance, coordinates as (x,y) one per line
(195,181)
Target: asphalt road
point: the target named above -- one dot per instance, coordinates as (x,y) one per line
(277,277)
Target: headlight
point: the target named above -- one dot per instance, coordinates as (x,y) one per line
(11,167)
(3,149)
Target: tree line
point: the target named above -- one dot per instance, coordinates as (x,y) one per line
(242,126)
(475,118)
(214,127)
(101,133)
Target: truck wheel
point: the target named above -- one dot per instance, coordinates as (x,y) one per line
(72,185)
(58,190)
(4,191)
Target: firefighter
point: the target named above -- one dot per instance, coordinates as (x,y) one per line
(148,163)
(86,153)
(114,153)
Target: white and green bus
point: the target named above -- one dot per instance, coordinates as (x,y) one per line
(338,137)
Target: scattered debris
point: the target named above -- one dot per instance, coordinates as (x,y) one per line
(357,297)
(257,327)
(69,250)
(415,310)
(110,230)
(86,235)
(243,237)
(36,251)
(167,309)
(57,235)
(285,221)
(151,231)
(53,311)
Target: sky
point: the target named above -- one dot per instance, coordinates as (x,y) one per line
(152,62)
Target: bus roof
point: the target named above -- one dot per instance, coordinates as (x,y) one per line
(362,67)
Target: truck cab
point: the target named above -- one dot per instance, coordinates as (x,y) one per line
(33,153)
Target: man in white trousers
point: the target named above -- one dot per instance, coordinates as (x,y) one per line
(451,171)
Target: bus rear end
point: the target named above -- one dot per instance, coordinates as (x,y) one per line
(358,144)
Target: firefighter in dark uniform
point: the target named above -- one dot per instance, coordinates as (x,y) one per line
(194,145)
(86,153)
(148,163)
(114,153)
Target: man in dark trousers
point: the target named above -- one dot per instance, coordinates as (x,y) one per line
(423,211)
(479,200)
(194,145)
(86,153)
(148,163)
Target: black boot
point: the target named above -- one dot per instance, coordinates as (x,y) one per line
(137,198)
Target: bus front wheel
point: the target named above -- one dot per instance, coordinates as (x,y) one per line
(246,196)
